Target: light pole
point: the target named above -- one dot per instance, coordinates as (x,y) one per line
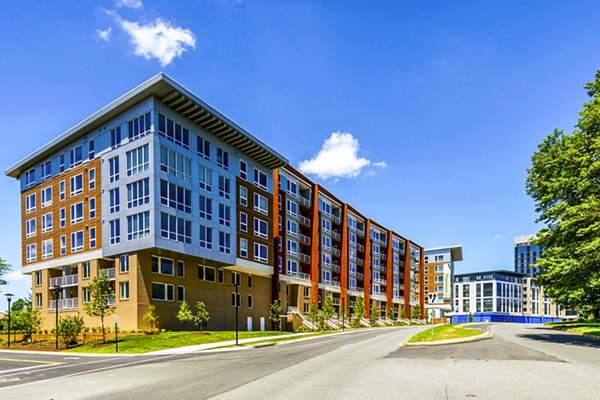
(236,283)
(9,297)
(55,291)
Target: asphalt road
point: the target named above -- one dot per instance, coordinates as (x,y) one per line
(519,362)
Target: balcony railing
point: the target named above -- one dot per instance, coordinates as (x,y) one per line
(336,220)
(360,262)
(303,276)
(360,247)
(110,272)
(304,221)
(63,281)
(334,283)
(383,256)
(304,239)
(292,310)
(361,233)
(304,201)
(65,304)
(336,301)
(304,258)
(335,268)
(336,252)
(336,236)
(356,289)
(360,276)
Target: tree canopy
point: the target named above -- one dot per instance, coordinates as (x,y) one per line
(564,181)
(4,268)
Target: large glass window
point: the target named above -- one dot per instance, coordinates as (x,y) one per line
(138,160)
(175,164)
(173,131)
(261,204)
(113,169)
(162,291)
(175,196)
(206,233)
(76,241)
(139,126)
(114,201)
(175,228)
(138,193)
(163,266)
(76,183)
(76,212)
(203,147)
(138,225)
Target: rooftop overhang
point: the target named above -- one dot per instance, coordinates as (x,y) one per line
(455,251)
(178,98)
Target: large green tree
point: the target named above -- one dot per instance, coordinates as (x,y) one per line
(564,181)
(4,268)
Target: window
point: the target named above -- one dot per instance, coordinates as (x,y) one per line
(76,156)
(206,273)
(92,238)
(292,188)
(236,278)
(243,170)
(114,201)
(47,222)
(38,300)
(161,265)
(76,212)
(124,263)
(243,248)
(76,183)
(30,228)
(250,301)
(243,196)
(91,152)
(175,164)
(115,137)
(326,209)
(92,178)
(115,231)
(46,248)
(92,206)
(224,242)
(138,193)
(261,228)
(62,190)
(139,126)
(250,281)
(224,187)
(85,294)
(221,276)
(113,167)
(261,252)
(327,245)
(292,227)
(326,277)
(175,228)
(175,196)
(46,170)
(203,147)
(138,225)
(137,160)
(326,258)
(63,245)
(180,269)
(224,215)
(205,178)
(123,290)
(222,158)
(61,163)
(205,237)
(173,131)
(236,300)
(260,179)
(76,241)
(30,178)
(243,222)
(46,196)
(180,293)
(30,203)
(326,224)
(206,208)
(292,247)
(31,252)
(162,291)
(292,267)
(261,204)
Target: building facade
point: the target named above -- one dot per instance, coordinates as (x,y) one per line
(438,280)
(173,201)
(526,256)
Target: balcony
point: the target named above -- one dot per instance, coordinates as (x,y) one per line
(304,258)
(304,202)
(64,281)
(112,300)
(304,221)
(360,247)
(356,289)
(361,233)
(334,284)
(336,301)
(383,269)
(336,252)
(336,236)
(360,262)
(65,304)
(335,268)
(304,239)
(336,220)
(360,276)
(110,272)
(383,256)
(303,276)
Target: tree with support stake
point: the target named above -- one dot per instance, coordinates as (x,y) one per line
(274,313)
(100,292)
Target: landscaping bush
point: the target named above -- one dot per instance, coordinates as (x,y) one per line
(69,328)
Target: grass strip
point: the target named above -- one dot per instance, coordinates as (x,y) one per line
(443,332)
(582,327)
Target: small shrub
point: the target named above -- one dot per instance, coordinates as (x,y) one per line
(69,328)
(94,330)
(163,330)
(303,328)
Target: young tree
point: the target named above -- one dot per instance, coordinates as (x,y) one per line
(416,312)
(26,319)
(4,268)
(563,181)
(313,313)
(328,309)
(375,314)
(390,313)
(151,317)
(274,313)
(100,292)
(202,316)
(402,313)
(359,307)
(184,315)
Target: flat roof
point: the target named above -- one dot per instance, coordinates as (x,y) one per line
(494,271)
(180,100)
(524,239)
(455,251)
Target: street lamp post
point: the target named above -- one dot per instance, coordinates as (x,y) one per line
(9,297)
(236,283)
(55,291)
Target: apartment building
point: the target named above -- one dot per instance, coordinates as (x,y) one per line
(438,279)
(526,255)
(328,247)
(167,196)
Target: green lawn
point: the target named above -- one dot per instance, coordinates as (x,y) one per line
(444,332)
(583,327)
(167,340)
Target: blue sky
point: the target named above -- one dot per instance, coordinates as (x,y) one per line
(430,111)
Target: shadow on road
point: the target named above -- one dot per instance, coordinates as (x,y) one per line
(551,336)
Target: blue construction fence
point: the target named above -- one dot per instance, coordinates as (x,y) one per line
(502,317)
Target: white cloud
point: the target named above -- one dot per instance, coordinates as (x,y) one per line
(158,39)
(130,3)
(15,276)
(497,236)
(104,35)
(338,158)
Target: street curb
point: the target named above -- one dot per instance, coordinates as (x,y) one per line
(484,335)
(266,344)
(70,354)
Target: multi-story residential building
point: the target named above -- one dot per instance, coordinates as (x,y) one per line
(536,303)
(328,247)
(438,277)
(526,256)
(167,196)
